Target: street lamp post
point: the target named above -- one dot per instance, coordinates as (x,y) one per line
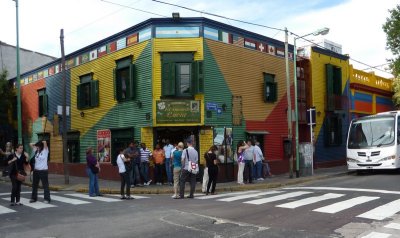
(322,31)
(18,82)
(289,108)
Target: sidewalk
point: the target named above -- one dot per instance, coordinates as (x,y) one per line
(80,184)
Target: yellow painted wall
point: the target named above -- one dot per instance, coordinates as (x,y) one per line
(206,141)
(174,45)
(370,79)
(102,69)
(318,76)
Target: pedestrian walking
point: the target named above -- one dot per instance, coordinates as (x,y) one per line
(177,162)
(92,170)
(188,155)
(257,169)
(241,147)
(40,171)
(159,158)
(5,154)
(123,173)
(145,155)
(212,165)
(168,161)
(133,153)
(16,162)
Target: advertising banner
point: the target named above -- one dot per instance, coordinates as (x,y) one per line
(104,145)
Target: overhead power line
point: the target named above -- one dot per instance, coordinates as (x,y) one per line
(140,10)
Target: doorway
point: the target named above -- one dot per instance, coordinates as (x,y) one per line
(176,135)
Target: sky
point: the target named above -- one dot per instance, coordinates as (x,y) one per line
(354,24)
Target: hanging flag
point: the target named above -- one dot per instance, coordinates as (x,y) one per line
(69,63)
(211,33)
(132,39)
(93,55)
(111,47)
(85,58)
(261,47)
(121,43)
(280,52)
(57,68)
(30,79)
(145,34)
(51,70)
(271,49)
(290,55)
(250,44)
(26,81)
(40,75)
(77,61)
(237,40)
(102,51)
(35,77)
(223,36)
(46,73)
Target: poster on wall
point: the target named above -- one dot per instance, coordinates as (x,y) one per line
(223,138)
(104,146)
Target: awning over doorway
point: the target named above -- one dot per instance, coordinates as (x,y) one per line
(258,132)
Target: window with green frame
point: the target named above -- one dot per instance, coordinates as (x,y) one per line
(43,102)
(333,130)
(124,80)
(181,76)
(270,88)
(87,92)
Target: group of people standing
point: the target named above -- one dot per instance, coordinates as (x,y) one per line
(17,162)
(250,161)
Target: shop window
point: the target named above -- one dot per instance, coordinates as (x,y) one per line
(270,88)
(87,92)
(43,102)
(124,79)
(333,130)
(181,76)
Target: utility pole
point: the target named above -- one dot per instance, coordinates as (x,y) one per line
(64,110)
(289,110)
(19,114)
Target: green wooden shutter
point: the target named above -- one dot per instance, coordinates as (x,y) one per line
(94,93)
(193,78)
(115,84)
(274,91)
(132,86)
(168,79)
(337,81)
(45,104)
(329,87)
(200,76)
(79,96)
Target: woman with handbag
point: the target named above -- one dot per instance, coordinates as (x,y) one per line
(17,174)
(212,165)
(92,169)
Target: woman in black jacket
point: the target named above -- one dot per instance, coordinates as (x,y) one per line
(16,163)
(212,165)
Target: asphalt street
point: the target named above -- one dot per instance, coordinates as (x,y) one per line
(366,205)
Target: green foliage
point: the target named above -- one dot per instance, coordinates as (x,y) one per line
(392,30)
(396,90)
(7,94)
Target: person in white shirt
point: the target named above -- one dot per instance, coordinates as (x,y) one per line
(258,165)
(145,154)
(168,161)
(125,181)
(40,171)
(189,154)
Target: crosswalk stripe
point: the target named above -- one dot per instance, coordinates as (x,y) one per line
(343,205)
(35,205)
(4,210)
(134,196)
(240,197)
(393,226)
(225,195)
(277,198)
(376,235)
(68,200)
(346,189)
(383,211)
(85,196)
(310,200)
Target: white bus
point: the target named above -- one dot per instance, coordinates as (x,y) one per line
(373,143)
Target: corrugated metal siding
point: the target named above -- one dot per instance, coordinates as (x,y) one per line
(110,113)
(174,45)
(232,70)
(318,62)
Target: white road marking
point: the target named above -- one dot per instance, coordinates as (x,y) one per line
(134,196)
(277,198)
(240,197)
(310,200)
(345,189)
(68,200)
(4,210)
(343,205)
(383,211)
(225,195)
(35,205)
(85,196)
(393,226)
(376,235)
